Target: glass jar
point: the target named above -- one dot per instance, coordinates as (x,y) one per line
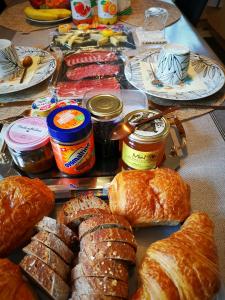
(29,144)
(106,111)
(70,128)
(107,11)
(81,11)
(145,148)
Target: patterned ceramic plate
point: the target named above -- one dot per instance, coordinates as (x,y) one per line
(205,77)
(45,67)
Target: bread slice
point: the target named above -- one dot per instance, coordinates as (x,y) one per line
(105,286)
(49,257)
(103,221)
(74,219)
(101,268)
(108,235)
(81,202)
(93,296)
(54,243)
(45,277)
(108,250)
(60,230)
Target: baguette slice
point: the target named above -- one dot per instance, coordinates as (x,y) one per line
(54,243)
(103,221)
(74,219)
(81,202)
(93,296)
(45,277)
(49,257)
(105,286)
(101,268)
(60,230)
(108,250)
(108,235)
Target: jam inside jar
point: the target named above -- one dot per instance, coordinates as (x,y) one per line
(145,148)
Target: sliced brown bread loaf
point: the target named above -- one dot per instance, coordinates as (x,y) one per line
(108,235)
(101,268)
(55,244)
(81,202)
(45,277)
(74,219)
(105,286)
(60,230)
(93,296)
(108,250)
(49,257)
(103,221)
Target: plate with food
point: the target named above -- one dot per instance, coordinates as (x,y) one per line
(177,261)
(50,16)
(205,77)
(43,66)
(107,37)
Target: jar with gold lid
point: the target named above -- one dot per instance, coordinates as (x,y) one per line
(145,148)
(106,111)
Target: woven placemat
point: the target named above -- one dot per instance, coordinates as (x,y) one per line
(14,18)
(138,8)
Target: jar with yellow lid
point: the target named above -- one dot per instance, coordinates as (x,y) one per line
(106,111)
(145,148)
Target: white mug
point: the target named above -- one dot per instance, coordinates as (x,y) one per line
(9,60)
(172,64)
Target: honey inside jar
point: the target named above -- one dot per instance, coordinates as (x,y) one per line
(145,148)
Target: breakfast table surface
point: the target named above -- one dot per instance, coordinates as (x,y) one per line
(203,166)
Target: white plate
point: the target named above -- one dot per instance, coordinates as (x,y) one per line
(52,22)
(205,78)
(45,69)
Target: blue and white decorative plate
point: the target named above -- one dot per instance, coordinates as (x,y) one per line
(205,77)
(44,65)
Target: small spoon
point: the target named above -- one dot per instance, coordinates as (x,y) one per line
(124,129)
(27,62)
(155,81)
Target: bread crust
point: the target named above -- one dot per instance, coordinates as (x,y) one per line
(152,197)
(23,203)
(55,244)
(45,277)
(103,221)
(100,268)
(181,266)
(12,284)
(49,257)
(93,296)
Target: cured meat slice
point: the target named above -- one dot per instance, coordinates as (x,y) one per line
(90,57)
(78,89)
(92,71)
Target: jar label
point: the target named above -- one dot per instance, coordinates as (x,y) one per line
(107,9)
(75,159)
(69,119)
(139,160)
(81,9)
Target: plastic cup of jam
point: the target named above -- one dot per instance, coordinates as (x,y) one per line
(145,148)
(29,144)
(72,140)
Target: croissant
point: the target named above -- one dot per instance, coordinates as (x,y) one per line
(183,266)
(152,197)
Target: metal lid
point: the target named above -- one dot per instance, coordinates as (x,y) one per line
(153,131)
(105,106)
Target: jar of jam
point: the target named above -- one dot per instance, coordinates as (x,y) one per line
(106,112)
(70,128)
(29,144)
(145,148)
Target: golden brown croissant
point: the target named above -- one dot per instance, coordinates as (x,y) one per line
(152,197)
(183,266)
(12,284)
(23,203)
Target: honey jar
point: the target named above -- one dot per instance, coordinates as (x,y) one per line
(106,112)
(145,148)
